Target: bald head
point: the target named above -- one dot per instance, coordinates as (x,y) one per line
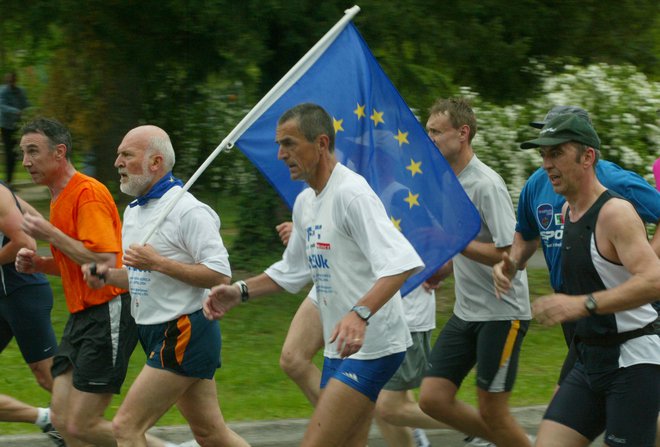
(154,141)
(144,156)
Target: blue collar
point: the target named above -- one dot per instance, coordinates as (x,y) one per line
(157,191)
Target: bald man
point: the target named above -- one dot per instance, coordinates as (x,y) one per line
(168,278)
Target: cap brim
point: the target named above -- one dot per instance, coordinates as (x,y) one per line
(543,142)
(537,124)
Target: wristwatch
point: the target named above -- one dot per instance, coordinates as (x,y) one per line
(591,304)
(243,288)
(363,312)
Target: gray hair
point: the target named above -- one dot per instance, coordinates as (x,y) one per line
(313,120)
(162,146)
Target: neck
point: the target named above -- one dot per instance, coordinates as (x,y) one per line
(323,173)
(64,176)
(581,200)
(462,159)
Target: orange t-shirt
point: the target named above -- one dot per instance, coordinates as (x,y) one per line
(86,211)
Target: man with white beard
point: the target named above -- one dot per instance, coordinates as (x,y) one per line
(168,279)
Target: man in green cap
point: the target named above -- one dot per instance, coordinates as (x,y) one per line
(611,275)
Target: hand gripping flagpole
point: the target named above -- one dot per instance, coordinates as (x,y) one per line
(273,95)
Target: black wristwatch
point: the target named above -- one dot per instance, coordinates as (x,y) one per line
(591,304)
(363,312)
(243,288)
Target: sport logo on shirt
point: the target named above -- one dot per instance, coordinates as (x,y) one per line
(314,231)
(544,215)
(323,245)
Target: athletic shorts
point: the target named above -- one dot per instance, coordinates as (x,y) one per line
(366,376)
(25,315)
(98,343)
(189,346)
(624,403)
(414,366)
(494,346)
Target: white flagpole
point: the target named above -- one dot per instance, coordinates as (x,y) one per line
(273,95)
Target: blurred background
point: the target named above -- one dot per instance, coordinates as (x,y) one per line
(196,67)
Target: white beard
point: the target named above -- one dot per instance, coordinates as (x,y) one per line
(135,185)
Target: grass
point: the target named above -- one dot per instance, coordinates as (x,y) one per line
(251,385)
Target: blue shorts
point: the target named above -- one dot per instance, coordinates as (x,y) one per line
(25,315)
(366,376)
(189,346)
(624,403)
(494,346)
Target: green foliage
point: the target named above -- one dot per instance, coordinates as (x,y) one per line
(621,101)
(195,68)
(257,244)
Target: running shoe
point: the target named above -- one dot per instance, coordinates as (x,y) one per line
(421,440)
(54,435)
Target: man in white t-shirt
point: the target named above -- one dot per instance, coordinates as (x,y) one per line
(396,408)
(343,240)
(484,329)
(168,278)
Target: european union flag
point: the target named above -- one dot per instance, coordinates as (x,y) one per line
(378,136)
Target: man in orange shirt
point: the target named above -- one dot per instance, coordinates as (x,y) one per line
(100,335)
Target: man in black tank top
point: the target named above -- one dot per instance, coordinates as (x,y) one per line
(611,277)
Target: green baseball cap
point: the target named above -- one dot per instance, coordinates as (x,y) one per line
(564,128)
(561,110)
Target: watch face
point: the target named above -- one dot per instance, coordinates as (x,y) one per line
(591,304)
(362,311)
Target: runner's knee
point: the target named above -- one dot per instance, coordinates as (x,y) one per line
(293,363)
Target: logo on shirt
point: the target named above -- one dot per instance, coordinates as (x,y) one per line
(314,231)
(318,261)
(323,245)
(559,219)
(544,215)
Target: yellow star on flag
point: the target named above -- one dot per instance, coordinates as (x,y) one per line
(360,111)
(415,167)
(396,222)
(412,199)
(377,117)
(402,137)
(337,124)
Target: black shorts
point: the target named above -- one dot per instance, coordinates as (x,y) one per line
(98,343)
(624,403)
(25,315)
(494,346)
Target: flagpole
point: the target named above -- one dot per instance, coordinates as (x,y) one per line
(273,95)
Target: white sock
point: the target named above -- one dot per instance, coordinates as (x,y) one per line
(43,417)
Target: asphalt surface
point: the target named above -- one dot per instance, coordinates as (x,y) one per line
(289,432)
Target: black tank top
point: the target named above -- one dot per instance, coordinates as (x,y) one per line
(10,279)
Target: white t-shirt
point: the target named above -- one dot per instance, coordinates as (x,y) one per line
(419,310)
(344,240)
(475,291)
(189,234)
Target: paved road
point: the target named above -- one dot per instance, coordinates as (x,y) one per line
(288,432)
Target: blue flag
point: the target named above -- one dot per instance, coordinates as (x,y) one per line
(379,137)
